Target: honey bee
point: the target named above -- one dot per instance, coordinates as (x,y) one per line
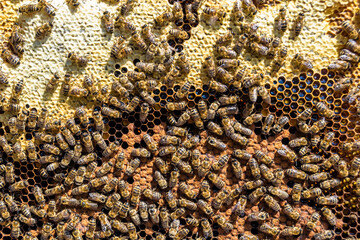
(290,212)
(350,30)
(160,179)
(5,214)
(154,214)
(206,228)
(258,48)
(164,19)
(343,84)
(282,21)
(108,21)
(311,193)
(85,188)
(46,231)
(268,229)
(329,216)
(71,224)
(339,65)
(256,194)
(254,168)
(291,231)
(18,186)
(269,120)
(258,216)
(216,143)
(331,183)
(302,62)
(177,131)
(9,173)
(174,227)
(326,141)
(162,165)
(19,154)
(312,168)
(15,229)
(87,204)
(319,177)
(211,71)
(205,190)
(223,223)
(74,3)
(236,166)
(297,174)
(12,126)
(262,157)
(39,212)
(214,14)
(250,185)
(71,202)
(184,188)
(254,118)
(170,199)
(30,8)
(11,58)
(353,46)
(341,168)
(227,53)
(327,234)
(174,177)
(43,30)
(152,195)
(111,200)
(81,61)
(49,9)
(347,55)
(38,194)
(110,185)
(225,39)
(10,203)
(328,200)
(278,192)
(287,153)
(279,126)
(119,51)
(298,142)
(205,207)
(219,199)
(313,221)
(272,203)
(194,114)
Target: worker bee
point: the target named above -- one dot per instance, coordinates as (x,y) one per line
(329,216)
(55,190)
(328,200)
(236,166)
(302,62)
(254,168)
(216,143)
(319,177)
(278,192)
(350,30)
(71,202)
(85,188)
(108,21)
(237,12)
(177,33)
(331,183)
(272,203)
(12,126)
(256,194)
(250,185)
(290,212)
(258,216)
(178,14)
(313,221)
(298,142)
(19,154)
(18,186)
(326,141)
(250,7)
(343,84)
(49,9)
(152,195)
(223,223)
(291,231)
(97,197)
(206,228)
(10,203)
(87,204)
(43,30)
(5,214)
(30,8)
(205,207)
(298,174)
(279,126)
(311,193)
(258,48)
(347,55)
(219,199)
(303,127)
(182,202)
(339,65)
(287,153)
(312,168)
(354,167)
(268,122)
(268,229)
(342,169)
(11,58)
(81,61)
(139,41)
(227,53)
(266,173)
(119,50)
(184,188)
(9,173)
(327,234)
(164,19)
(205,190)
(39,212)
(214,14)
(211,71)
(154,213)
(174,227)
(254,118)
(282,21)
(38,194)
(262,157)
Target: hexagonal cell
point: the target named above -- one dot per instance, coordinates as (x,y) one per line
(287,101)
(324,71)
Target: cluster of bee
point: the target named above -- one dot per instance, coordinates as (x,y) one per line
(91,173)
(14,47)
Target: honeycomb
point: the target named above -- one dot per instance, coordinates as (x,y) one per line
(128,130)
